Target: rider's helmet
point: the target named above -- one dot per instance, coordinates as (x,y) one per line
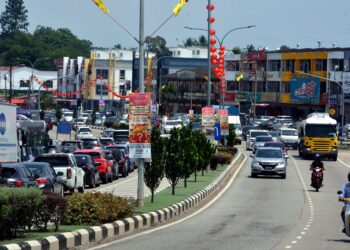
(317,156)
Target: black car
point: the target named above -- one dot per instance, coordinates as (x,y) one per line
(119,156)
(110,120)
(91,143)
(46,176)
(77,143)
(92,175)
(16,175)
(121,139)
(69,149)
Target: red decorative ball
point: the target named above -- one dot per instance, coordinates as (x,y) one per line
(212,19)
(222,58)
(210,7)
(213,56)
(221,52)
(212,32)
(212,49)
(214,61)
(212,41)
(222,47)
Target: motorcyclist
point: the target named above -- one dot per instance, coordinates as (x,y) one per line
(317,163)
(344,196)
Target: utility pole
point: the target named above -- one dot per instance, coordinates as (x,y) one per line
(140,169)
(209,63)
(10,92)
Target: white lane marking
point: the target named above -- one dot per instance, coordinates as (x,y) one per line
(184,219)
(288,247)
(345,164)
(294,242)
(299,237)
(303,232)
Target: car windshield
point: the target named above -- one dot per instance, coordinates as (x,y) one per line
(273,133)
(35,169)
(263,138)
(84,130)
(68,114)
(90,142)
(80,120)
(172,123)
(326,131)
(268,153)
(289,132)
(94,155)
(54,161)
(121,139)
(274,145)
(70,143)
(82,160)
(68,149)
(106,141)
(287,120)
(257,133)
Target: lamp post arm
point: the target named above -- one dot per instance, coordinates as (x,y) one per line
(231,30)
(323,78)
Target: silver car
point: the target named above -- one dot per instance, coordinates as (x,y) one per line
(269,161)
(252,134)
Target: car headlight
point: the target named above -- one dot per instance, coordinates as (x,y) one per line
(255,163)
(281,164)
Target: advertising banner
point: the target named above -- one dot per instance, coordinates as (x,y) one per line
(140,125)
(208,121)
(305,90)
(223,118)
(8,134)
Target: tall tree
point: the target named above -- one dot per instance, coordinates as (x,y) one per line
(157,45)
(14,18)
(154,172)
(189,42)
(202,41)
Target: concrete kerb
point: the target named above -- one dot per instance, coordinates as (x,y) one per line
(107,232)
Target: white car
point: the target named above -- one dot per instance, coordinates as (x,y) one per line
(170,124)
(66,167)
(68,116)
(252,134)
(83,132)
(289,136)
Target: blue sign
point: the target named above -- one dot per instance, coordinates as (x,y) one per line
(217,132)
(232,110)
(63,128)
(2,123)
(305,90)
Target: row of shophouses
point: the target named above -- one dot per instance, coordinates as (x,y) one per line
(271,82)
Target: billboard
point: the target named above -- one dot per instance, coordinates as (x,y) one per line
(306,90)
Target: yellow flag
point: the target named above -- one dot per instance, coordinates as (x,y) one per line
(101,5)
(179,6)
(238,78)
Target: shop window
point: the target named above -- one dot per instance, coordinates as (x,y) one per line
(321,65)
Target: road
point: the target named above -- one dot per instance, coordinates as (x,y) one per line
(260,213)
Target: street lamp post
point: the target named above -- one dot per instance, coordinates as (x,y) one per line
(32,76)
(220,41)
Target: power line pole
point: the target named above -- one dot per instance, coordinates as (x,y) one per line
(209,63)
(140,169)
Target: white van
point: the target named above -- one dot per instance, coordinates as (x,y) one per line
(289,136)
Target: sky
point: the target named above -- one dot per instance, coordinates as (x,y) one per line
(278,22)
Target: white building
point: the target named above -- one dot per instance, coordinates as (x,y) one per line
(21,79)
(189,52)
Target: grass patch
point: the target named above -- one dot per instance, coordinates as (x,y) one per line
(164,198)
(35,235)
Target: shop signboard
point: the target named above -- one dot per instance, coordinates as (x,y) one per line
(305,90)
(140,126)
(208,121)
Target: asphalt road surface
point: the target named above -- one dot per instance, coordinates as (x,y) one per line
(260,213)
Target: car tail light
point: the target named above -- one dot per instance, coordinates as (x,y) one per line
(98,164)
(121,161)
(69,173)
(87,168)
(97,145)
(127,157)
(18,183)
(41,180)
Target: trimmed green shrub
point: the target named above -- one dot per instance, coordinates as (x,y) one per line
(17,209)
(118,125)
(51,210)
(95,209)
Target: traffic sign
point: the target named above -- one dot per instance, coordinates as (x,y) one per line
(63,128)
(217,132)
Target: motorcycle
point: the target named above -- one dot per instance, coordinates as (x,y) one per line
(317,178)
(346,215)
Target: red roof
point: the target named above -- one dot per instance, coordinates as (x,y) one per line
(18,101)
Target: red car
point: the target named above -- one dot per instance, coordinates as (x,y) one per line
(104,166)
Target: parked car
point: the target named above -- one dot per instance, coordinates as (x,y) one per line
(16,175)
(72,175)
(46,177)
(69,149)
(83,132)
(121,139)
(91,143)
(119,156)
(260,141)
(67,116)
(131,165)
(110,120)
(277,144)
(78,123)
(269,161)
(92,175)
(77,143)
(103,166)
(168,125)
